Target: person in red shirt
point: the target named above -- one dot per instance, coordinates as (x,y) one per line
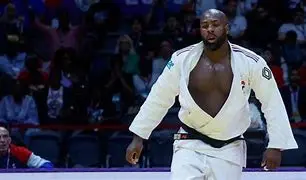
(33,76)
(274,63)
(13,156)
(302,74)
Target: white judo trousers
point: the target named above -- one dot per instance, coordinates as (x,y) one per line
(191,165)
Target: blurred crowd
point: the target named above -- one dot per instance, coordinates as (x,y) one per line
(78,62)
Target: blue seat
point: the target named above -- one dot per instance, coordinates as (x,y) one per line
(296,157)
(116,150)
(84,150)
(256,144)
(255,150)
(46,144)
(160,148)
(17,137)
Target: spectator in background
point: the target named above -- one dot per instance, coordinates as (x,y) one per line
(124,66)
(164,55)
(126,56)
(138,35)
(55,98)
(150,69)
(293,4)
(174,31)
(63,35)
(97,25)
(36,81)
(12,156)
(172,26)
(32,76)
(9,22)
(302,73)
(243,6)
(12,62)
(64,64)
(96,107)
(237,23)
(144,80)
(58,101)
(202,5)
(294,98)
(262,27)
(9,14)
(80,93)
(190,25)
(273,61)
(18,108)
(156,16)
(292,50)
(246,6)
(66,98)
(297,25)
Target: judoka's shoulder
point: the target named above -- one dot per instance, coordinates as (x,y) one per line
(247,55)
(184,51)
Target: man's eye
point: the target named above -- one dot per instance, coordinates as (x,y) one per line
(205,26)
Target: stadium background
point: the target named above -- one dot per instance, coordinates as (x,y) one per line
(83,70)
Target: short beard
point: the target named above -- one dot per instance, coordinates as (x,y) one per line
(216,45)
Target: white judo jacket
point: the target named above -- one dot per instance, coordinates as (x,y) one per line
(250,72)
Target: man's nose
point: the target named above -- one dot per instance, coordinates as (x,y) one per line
(210,29)
(2,139)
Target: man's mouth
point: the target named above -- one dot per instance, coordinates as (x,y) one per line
(211,37)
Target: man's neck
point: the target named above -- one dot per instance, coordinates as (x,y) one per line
(3,153)
(219,54)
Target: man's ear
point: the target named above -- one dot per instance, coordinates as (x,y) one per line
(9,140)
(227,28)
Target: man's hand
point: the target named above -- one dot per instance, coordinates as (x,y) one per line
(134,150)
(271,159)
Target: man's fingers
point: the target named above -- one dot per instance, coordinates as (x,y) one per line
(270,164)
(271,159)
(136,154)
(132,156)
(264,161)
(129,156)
(135,157)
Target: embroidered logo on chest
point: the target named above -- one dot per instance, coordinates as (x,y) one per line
(243,84)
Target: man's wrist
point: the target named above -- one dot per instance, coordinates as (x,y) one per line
(137,138)
(275,149)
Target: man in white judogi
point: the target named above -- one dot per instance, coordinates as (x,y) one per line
(213,80)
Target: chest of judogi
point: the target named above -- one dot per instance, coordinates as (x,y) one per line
(233,118)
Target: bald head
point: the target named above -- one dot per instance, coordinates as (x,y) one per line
(4,130)
(214,29)
(214,14)
(5,140)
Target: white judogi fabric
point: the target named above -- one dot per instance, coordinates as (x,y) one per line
(191,165)
(250,72)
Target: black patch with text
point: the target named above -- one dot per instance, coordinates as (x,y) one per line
(266,73)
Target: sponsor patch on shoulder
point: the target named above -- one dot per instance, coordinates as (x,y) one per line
(266,73)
